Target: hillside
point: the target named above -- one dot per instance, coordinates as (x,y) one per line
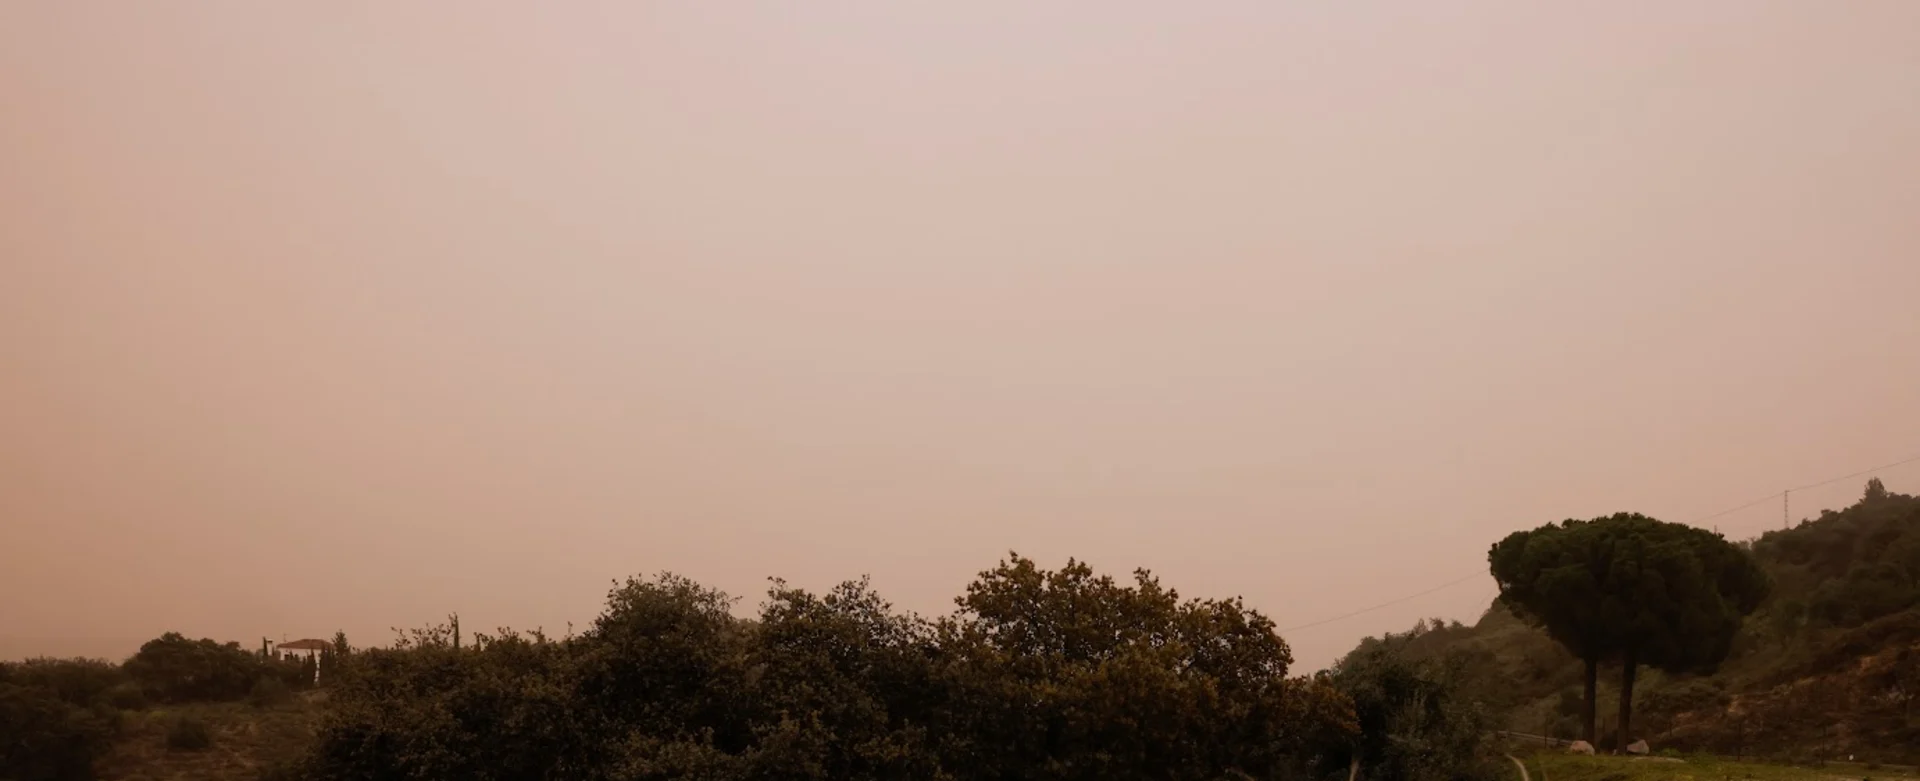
(1828,666)
(1039,669)
(248,741)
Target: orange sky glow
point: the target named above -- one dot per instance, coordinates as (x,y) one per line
(352,315)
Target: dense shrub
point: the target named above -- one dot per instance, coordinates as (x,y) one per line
(1867,592)
(45,738)
(501,709)
(189,734)
(1687,695)
(1836,649)
(56,716)
(82,682)
(335,659)
(127,696)
(1865,559)
(172,668)
(269,692)
(1065,674)
(1416,721)
(1042,675)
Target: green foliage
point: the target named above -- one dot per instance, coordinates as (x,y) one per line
(1884,527)
(127,696)
(334,658)
(1867,592)
(500,709)
(59,716)
(174,669)
(1628,586)
(863,677)
(189,734)
(1865,560)
(1689,695)
(1068,674)
(43,735)
(666,657)
(80,682)
(1818,669)
(1632,589)
(1662,706)
(1417,721)
(1558,766)
(269,692)
(1041,675)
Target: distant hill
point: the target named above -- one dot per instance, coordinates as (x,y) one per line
(1829,665)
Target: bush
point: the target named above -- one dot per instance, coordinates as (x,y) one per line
(1416,722)
(1041,674)
(173,669)
(43,738)
(269,692)
(189,734)
(127,696)
(1662,706)
(81,682)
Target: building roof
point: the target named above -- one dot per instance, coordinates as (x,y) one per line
(305,645)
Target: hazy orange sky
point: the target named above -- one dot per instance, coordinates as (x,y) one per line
(348,315)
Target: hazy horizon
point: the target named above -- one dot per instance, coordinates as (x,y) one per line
(350,317)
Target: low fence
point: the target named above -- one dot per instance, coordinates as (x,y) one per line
(1537,740)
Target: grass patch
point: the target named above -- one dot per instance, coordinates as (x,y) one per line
(245,740)
(189,733)
(269,693)
(1571,767)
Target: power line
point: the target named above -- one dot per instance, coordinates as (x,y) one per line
(1391,603)
(1694,522)
(1767,498)
(1861,473)
(1828,481)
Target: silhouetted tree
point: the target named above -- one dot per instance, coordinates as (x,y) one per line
(172,668)
(1065,674)
(848,684)
(1633,589)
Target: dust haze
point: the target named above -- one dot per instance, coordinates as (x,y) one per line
(349,317)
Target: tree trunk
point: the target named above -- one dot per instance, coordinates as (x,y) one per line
(1589,713)
(1628,666)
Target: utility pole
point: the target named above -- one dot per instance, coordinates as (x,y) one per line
(1783,508)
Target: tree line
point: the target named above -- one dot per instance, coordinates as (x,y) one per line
(1038,674)
(1057,675)
(59,716)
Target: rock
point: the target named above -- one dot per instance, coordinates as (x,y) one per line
(1580,747)
(1639,748)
